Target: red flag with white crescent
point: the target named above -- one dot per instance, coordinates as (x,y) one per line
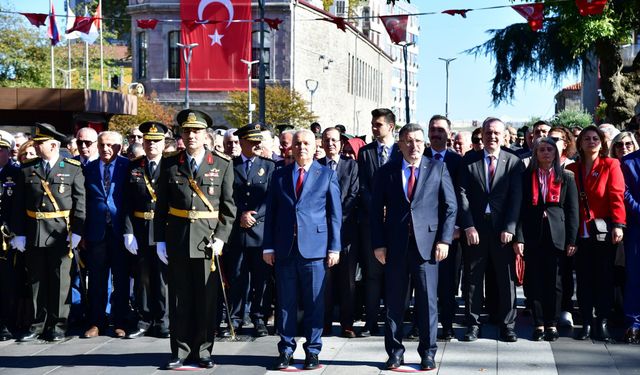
(396,27)
(590,7)
(533,13)
(215,63)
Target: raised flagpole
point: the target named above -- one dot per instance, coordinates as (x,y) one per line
(86,57)
(101,50)
(53,68)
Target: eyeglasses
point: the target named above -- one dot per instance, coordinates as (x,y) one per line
(475,141)
(80,142)
(557,139)
(624,144)
(135,136)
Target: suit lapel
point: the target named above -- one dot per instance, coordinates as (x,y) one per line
(501,165)
(288,181)
(425,170)
(240,169)
(183,164)
(312,175)
(479,170)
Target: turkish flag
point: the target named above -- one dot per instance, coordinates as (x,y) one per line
(396,27)
(147,24)
(215,63)
(82,24)
(590,7)
(36,19)
(533,13)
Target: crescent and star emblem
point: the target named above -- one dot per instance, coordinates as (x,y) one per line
(216,38)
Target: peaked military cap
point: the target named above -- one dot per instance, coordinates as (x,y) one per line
(6,140)
(153,130)
(251,132)
(341,128)
(45,132)
(193,119)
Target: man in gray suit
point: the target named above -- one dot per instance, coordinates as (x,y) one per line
(490,194)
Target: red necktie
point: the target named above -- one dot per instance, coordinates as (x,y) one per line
(299,182)
(411,183)
(492,168)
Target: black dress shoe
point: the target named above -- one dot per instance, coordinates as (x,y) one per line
(413,333)
(56,337)
(311,362)
(5,335)
(632,335)
(427,363)
(138,332)
(226,331)
(163,334)
(538,334)
(394,362)
(174,363)
(603,332)
(447,334)
(29,337)
(472,333)
(551,334)
(260,330)
(283,361)
(585,333)
(508,335)
(205,363)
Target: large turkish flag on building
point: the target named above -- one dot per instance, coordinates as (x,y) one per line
(215,63)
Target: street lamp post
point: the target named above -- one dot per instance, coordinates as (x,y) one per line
(187,52)
(405,53)
(446,102)
(312,86)
(249,65)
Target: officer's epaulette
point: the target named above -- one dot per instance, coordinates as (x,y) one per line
(31,162)
(267,159)
(170,154)
(73,161)
(221,155)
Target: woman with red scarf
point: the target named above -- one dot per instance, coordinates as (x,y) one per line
(602,218)
(549,226)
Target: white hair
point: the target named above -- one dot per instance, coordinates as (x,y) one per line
(306,132)
(90,132)
(229,133)
(111,133)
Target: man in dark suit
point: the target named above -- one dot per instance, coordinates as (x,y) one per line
(87,142)
(48,219)
(371,157)
(411,232)
(105,254)
(244,267)
(9,174)
(194,216)
(149,273)
(490,195)
(341,279)
(301,239)
(449,268)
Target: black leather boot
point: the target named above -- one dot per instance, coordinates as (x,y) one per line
(603,332)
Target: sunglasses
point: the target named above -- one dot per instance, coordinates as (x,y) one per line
(624,144)
(556,139)
(85,143)
(475,141)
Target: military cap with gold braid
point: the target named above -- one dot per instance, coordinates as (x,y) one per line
(193,119)
(153,130)
(251,132)
(6,140)
(46,132)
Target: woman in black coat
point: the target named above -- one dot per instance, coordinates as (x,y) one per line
(549,226)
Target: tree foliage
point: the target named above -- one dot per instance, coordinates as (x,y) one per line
(563,45)
(148,110)
(282,107)
(570,118)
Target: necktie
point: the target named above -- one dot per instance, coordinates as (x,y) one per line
(438,157)
(247,167)
(47,169)
(411,184)
(194,167)
(384,155)
(299,182)
(152,168)
(106,179)
(492,168)
(333,165)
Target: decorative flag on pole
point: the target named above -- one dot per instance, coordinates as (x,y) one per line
(460,12)
(215,63)
(82,24)
(533,13)
(36,19)
(396,27)
(147,24)
(339,21)
(52,31)
(273,22)
(71,19)
(591,7)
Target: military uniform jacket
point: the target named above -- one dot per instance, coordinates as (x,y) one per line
(66,183)
(138,198)
(190,237)
(8,179)
(250,194)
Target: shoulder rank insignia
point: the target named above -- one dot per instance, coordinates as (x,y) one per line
(31,162)
(72,161)
(170,154)
(221,155)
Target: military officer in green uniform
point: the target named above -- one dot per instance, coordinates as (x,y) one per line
(150,285)
(193,219)
(48,220)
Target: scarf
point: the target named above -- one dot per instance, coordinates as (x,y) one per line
(547,180)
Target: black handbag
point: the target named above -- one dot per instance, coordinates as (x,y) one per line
(599,227)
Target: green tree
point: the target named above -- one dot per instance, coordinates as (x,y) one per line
(282,107)
(570,118)
(148,110)
(563,45)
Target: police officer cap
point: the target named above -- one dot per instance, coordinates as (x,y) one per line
(251,132)
(193,119)
(153,130)
(6,140)
(45,132)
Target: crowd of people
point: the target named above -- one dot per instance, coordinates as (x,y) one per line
(190,232)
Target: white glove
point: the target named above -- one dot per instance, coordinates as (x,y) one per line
(161,249)
(75,240)
(217,246)
(131,244)
(19,243)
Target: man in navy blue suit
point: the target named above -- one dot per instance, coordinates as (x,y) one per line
(104,182)
(302,239)
(413,214)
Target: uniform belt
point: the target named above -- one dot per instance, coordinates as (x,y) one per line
(193,215)
(147,215)
(48,215)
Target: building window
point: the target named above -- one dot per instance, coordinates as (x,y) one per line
(266,54)
(174,54)
(142,54)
